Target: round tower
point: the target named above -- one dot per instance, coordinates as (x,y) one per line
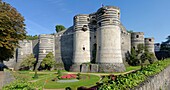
(136,39)
(81,52)
(149,43)
(109,55)
(46,45)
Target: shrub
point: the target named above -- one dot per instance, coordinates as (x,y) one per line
(19,85)
(48,62)
(78,76)
(28,62)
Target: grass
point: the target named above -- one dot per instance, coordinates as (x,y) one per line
(45,78)
(130,68)
(88,82)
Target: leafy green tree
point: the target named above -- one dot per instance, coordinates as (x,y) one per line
(28,62)
(12,29)
(59,28)
(48,62)
(165,45)
(130,31)
(140,55)
(30,37)
(168,40)
(133,60)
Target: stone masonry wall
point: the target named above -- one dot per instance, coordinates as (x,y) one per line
(64,48)
(160,81)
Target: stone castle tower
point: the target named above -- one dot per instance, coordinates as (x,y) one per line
(149,43)
(137,38)
(97,42)
(109,55)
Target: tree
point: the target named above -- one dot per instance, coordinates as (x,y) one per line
(168,40)
(140,55)
(133,58)
(59,28)
(48,62)
(130,31)
(165,46)
(28,62)
(30,37)
(12,29)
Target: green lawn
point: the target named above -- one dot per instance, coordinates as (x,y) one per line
(83,82)
(130,68)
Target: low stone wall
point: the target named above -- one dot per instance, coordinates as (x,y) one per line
(5,78)
(160,81)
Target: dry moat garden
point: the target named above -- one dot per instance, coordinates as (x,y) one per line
(54,80)
(61,79)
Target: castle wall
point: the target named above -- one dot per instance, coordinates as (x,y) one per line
(12,61)
(64,48)
(35,48)
(125,45)
(46,45)
(24,50)
(93,30)
(99,38)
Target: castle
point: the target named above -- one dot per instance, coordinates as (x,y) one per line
(97,42)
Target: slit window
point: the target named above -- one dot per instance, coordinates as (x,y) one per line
(100,24)
(84,48)
(94,36)
(88,19)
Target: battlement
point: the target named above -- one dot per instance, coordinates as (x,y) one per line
(107,15)
(108,8)
(149,39)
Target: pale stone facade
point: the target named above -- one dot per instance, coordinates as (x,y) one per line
(97,42)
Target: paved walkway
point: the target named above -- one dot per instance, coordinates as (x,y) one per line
(5,78)
(1,79)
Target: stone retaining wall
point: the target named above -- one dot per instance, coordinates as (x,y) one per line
(160,81)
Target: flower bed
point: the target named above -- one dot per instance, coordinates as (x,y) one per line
(69,76)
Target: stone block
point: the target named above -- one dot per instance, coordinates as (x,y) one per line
(75,68)
(115,67)
(85,68)
(94,68)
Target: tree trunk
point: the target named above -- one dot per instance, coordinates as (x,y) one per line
(1,65)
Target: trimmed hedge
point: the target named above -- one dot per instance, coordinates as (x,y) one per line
(128,81)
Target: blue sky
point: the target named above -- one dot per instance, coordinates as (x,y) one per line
(149,16)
